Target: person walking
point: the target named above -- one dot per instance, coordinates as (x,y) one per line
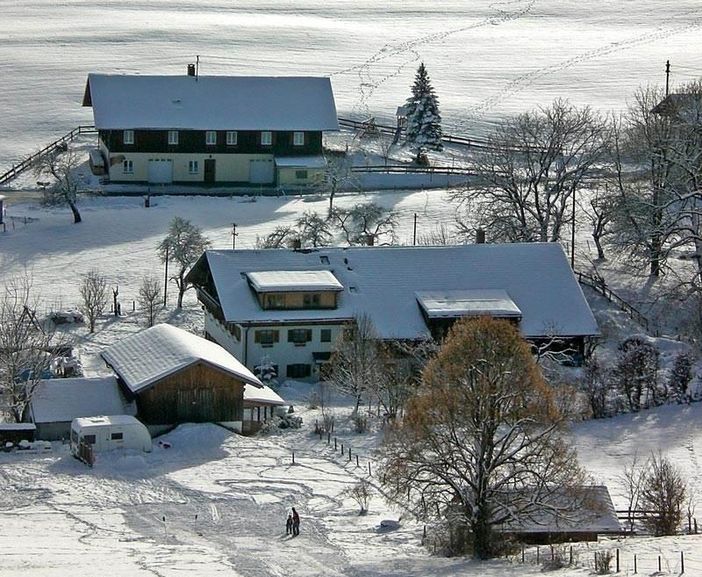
(289,525)
(295,523)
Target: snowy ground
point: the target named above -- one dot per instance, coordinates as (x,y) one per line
(486,58)
(57,517)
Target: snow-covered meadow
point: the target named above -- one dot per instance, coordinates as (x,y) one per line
(486,58)
(215,503)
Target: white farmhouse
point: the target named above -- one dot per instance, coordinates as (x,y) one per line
(289,306)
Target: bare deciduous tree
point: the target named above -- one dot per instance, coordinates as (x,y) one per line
(62,166)
(183,246)
(366,224)
(149,298)
(632,480)
(356,363)
(93,294)
(530,170)
(27,346)
(361,492)
(281,237)
(338,176)
(481,441)
(313,230)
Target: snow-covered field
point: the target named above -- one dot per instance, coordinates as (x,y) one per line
(215,503)
(486,58)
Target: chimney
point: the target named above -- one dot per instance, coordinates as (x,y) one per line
(480,236)
(191,70)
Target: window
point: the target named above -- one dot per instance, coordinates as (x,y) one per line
(211,137)
(298,138)
(298,371)
(325,336)
(128,167)
(266,138)
(311,300)
(117,436)
(299,336)
(232,137)
(89,439)
(274,301)
(193,167)
(266,338)
(236,331)
(172,137)
(128,137)
(301,174)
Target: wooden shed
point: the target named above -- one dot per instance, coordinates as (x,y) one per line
(177,377)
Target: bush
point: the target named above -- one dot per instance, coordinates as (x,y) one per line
(603,560)
(636,371)
(663,491)
(360,422)
(361,492)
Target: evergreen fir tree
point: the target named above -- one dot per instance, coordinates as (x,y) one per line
(423,118)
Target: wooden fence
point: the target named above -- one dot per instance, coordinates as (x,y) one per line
(17,169)
(598,284)
(413,169)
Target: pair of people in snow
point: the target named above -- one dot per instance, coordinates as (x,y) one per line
(292,526)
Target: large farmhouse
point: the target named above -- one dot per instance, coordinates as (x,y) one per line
(211,130)
(287,307)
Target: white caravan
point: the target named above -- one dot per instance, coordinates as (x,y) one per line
(108,433)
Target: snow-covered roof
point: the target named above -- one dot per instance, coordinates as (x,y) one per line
(300,162)
(102,420)
(264,395)
(146,357)
(211,102)
(453,304)
(383,281)
(294,281)
(584,509)
(61,400)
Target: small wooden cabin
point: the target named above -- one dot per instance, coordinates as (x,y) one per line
(177,377)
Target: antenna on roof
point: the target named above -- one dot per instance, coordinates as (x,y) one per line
(197,67)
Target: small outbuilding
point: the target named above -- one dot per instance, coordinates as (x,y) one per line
(177,377)
(259,407)
(107,433)
(56,402)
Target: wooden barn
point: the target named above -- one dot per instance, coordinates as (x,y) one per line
(176,377)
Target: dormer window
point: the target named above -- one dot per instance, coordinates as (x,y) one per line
(128,137)
(295,289)
(232,137)
(172,137)
(211,137)
(266,138)
(298,139)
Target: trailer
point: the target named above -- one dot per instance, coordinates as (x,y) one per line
(107,433)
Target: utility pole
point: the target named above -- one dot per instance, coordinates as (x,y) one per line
(414,237)
(667,76)
(234,235)
(165,281)
(197,67)
(572,237)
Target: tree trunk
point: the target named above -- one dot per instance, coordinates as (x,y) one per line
(598,244)
(482,541)
(76,215)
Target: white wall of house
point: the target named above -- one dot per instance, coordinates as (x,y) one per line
(283,353)
(228,167)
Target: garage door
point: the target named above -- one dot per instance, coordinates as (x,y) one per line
(261,171)
(160,171)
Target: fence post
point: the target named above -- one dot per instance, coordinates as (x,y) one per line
(617,571)
(682,562)
(328,438)
(634,563)
(570,557)
(342,449)
(537,554)
(369,469)
(659,563)
(349,454)
(357,461)
(335,443)
(522,552)
(293,457)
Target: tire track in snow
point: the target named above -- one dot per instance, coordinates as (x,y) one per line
(527,79)
(368,85)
